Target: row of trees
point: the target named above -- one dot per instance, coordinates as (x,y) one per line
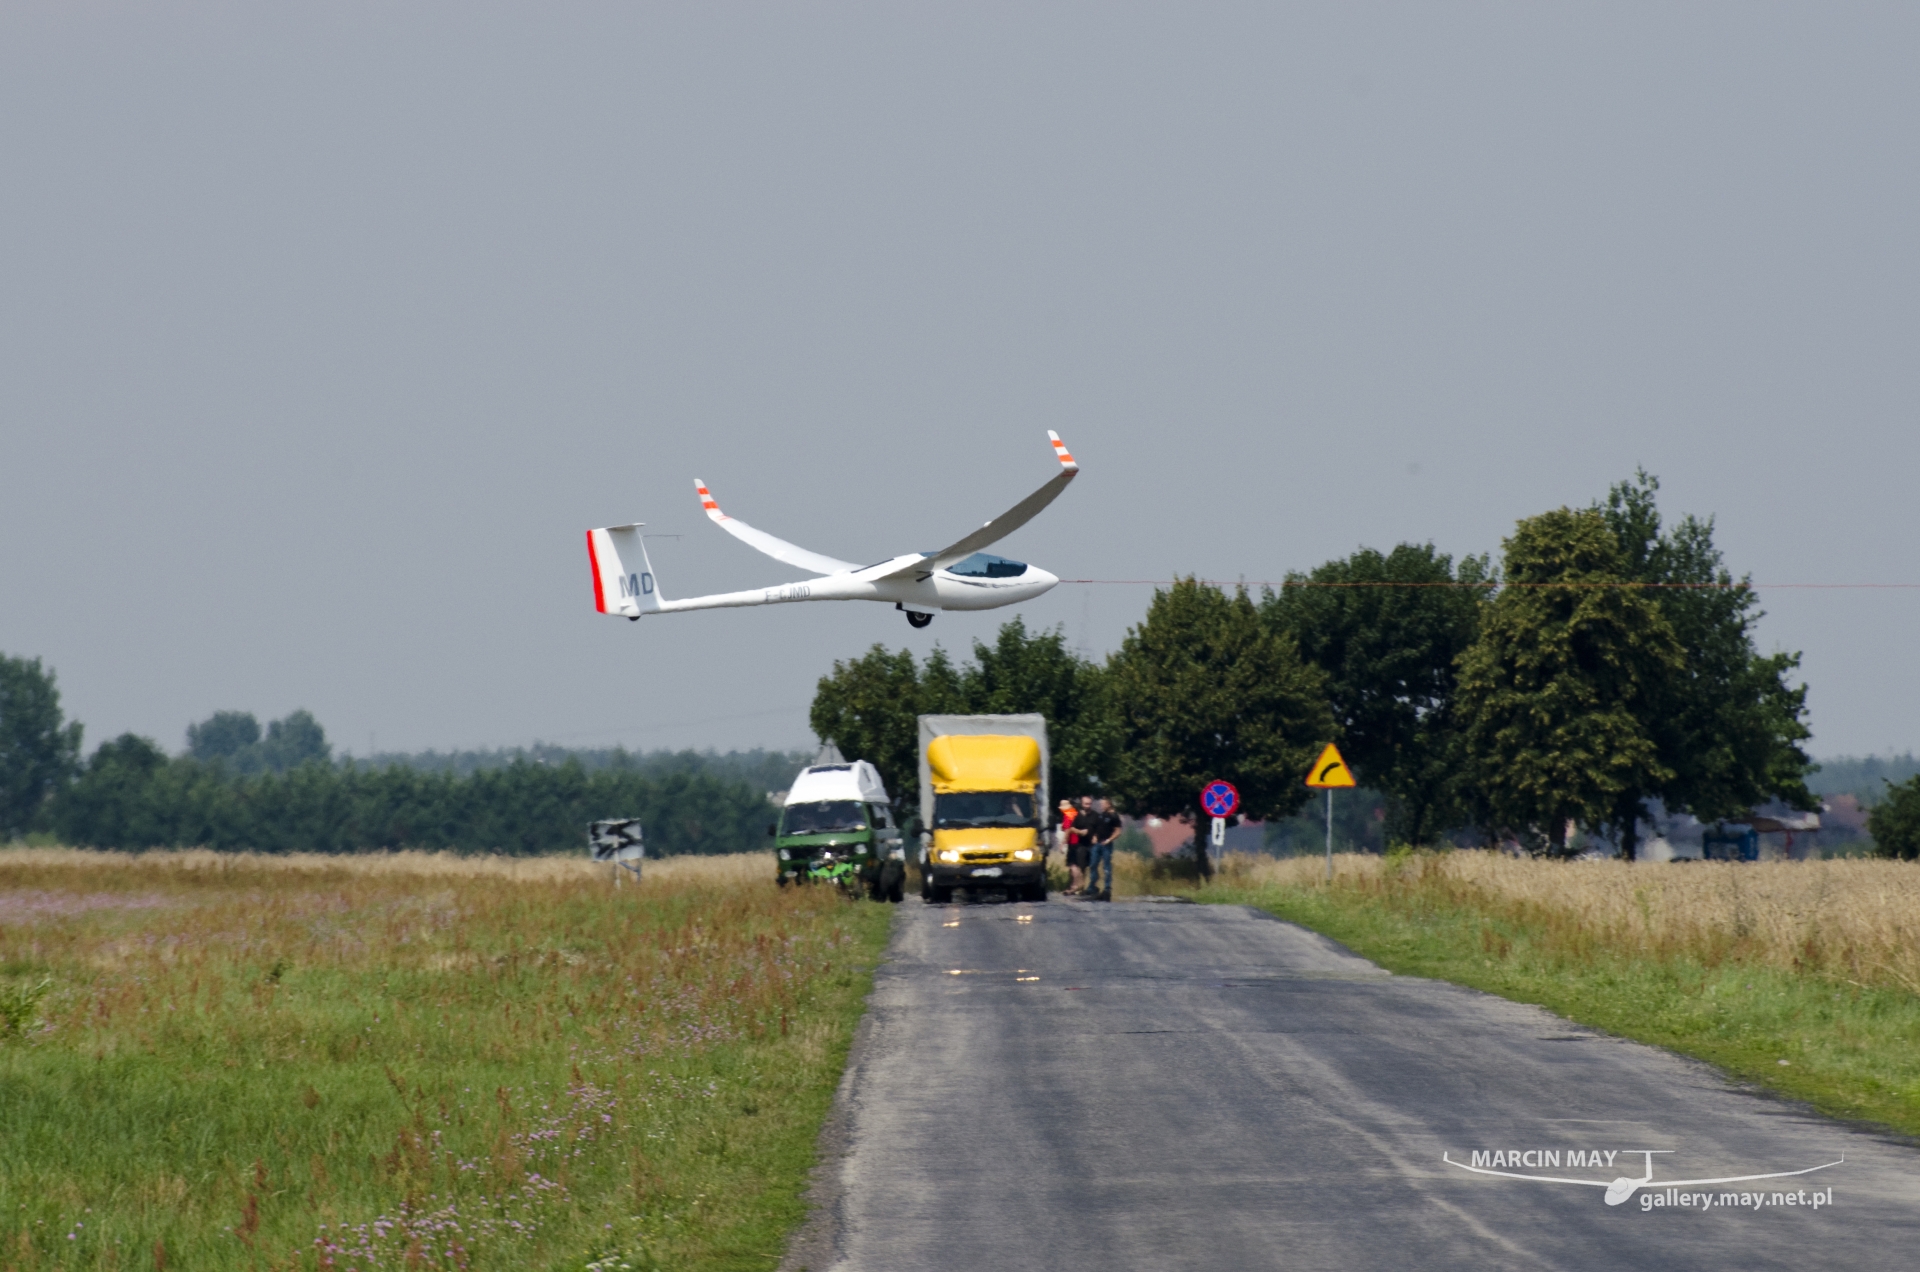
(1609,662)
(233,740)
(278,790)
(761,769)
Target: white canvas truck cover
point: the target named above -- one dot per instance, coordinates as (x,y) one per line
(856,781)
(1006,726)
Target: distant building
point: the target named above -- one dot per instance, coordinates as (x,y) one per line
(1168,837)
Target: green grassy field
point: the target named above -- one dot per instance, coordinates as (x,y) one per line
(1797,977)
(413,1062)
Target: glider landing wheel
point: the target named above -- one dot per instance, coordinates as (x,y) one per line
(916,619)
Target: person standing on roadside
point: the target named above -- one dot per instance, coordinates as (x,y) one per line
(1077,851)
(1068,838)
(1101,830)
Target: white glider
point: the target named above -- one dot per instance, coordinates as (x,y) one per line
(961,576)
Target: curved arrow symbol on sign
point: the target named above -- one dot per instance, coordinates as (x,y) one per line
(1330,769)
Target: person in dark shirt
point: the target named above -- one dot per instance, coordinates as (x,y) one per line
(1101,830)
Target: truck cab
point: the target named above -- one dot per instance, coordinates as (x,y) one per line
(984,805)
(838,822)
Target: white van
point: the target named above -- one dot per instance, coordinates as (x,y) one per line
(838,824)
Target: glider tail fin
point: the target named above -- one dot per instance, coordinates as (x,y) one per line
(623,579)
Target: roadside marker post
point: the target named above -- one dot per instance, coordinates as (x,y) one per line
(1220,799)
(618,842)
(1329,773)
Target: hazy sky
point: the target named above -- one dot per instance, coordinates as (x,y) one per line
(326,329)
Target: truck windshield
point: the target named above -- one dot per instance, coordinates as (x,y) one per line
(828,817)
(973,810)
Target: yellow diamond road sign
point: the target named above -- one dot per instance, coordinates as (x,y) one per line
(1330,770)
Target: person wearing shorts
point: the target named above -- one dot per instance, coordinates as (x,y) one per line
(1071,819)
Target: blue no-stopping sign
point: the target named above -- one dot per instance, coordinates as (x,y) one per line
(1219,798)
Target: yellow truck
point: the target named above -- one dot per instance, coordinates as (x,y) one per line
(983,805)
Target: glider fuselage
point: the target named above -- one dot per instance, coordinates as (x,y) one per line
(925,590)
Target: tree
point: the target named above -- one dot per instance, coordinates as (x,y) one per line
(868,707)
(1387,630)
(39,751)
(1021,673)
(296,740)
(1556,691)
(1894,823)
(233,740)
(1203,689)
(223,736)
(1727,724)
(113,803)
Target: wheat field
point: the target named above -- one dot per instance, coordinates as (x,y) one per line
(1853,919)
(197,864)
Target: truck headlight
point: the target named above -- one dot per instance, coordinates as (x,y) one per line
(949,854)
(1023,854)
(784,856)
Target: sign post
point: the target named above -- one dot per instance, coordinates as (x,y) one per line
(1328,773)
(619,843)
(1220,799)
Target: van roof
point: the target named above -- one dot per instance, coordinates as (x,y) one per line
(857,781)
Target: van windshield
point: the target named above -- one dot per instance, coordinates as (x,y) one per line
(974,810)
(828,817)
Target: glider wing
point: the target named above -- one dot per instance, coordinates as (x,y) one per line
(778,549)
(1004,524)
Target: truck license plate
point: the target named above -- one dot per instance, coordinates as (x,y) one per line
(987,872)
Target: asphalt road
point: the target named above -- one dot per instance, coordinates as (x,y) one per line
(1160,1086)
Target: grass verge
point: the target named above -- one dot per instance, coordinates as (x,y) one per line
(413,1061)
(1773,973)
